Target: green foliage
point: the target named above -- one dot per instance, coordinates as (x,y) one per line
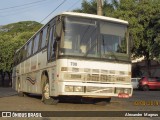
(12,37)
(88,7)
(91,7)
(15,28)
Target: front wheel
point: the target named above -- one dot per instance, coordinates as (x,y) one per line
(46,99)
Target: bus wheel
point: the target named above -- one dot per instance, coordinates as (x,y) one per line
(101,101)
(45,92)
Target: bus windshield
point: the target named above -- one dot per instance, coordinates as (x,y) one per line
(93,38)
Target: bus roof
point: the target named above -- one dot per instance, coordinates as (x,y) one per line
(96,17)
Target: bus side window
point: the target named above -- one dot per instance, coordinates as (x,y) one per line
(29,48)
(44,37)
(53,45)
(40,40)
(49,43)
(25,52)
(36,41)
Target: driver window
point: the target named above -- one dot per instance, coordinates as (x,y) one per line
(51,44)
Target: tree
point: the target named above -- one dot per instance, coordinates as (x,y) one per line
(12,37)
(4,55)
(91,7)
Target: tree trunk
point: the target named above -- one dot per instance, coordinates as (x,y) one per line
(2,77)
(148,67)
(10,79)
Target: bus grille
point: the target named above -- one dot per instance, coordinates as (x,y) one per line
(96,78)
(93,77)
(99,89)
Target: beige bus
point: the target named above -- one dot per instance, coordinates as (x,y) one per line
(75,55)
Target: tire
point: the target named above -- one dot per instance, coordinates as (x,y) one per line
(145,88)
(101,101)
(46,99)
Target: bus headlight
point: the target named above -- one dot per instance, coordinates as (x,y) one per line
(68,88)
(119,90)
(123,90)
(127,90)
(78,89)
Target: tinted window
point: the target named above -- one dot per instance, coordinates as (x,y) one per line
(25,52)
(36,42)
(29,48)
(52,45)
(50,42)
(44,37)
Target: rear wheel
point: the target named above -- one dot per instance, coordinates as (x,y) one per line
(145,88)
(45,92)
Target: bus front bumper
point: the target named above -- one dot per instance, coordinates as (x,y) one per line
(96,90)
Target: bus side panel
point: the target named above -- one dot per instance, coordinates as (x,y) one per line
(53,78)
(26,79)
(31,77)
(42,59)
(42,66)
(22,79)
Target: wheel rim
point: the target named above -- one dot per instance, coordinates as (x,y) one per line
(46,91)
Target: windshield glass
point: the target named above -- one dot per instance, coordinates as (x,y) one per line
(79,37)
(93,38)
(114,41)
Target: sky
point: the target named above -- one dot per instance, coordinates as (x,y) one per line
(12,11)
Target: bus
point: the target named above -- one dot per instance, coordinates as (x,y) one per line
(75,55)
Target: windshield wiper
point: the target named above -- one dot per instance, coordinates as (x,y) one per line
(91,48)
